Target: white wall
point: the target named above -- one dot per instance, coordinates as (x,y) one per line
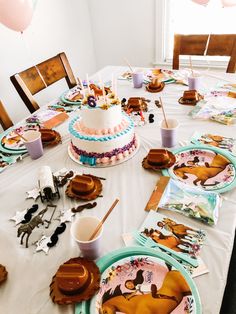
(93,33)
(57,25)
(123,28)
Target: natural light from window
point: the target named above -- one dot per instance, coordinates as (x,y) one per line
(187,17)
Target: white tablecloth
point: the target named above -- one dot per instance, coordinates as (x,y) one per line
(27,287)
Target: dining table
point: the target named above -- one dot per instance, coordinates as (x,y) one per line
(27,288)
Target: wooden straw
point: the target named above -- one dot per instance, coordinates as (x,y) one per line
(191,65)
(23,138)
(163,111)
(127,62)
(103,220)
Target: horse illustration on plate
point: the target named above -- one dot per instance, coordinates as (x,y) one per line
(142,285)
(203,168)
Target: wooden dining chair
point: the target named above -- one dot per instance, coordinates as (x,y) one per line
(5,120)
(31,81)
(196,45)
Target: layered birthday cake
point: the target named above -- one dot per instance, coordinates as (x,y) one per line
(102,134)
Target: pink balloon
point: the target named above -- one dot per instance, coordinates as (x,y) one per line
(16,14)
(202,2)
(228,3)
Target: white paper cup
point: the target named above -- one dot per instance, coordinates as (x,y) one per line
(81,230)
(169,135)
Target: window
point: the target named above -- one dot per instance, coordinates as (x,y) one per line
(187,17)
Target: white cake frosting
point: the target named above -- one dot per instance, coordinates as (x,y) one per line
(102,134)
(97,118)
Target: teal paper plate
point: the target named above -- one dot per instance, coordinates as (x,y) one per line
(64,99)
(130,260)
(4,149)
(213,140)
(209,168)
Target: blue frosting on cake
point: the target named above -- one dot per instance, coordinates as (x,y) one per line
(99,138)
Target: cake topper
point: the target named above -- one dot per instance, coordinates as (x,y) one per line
(80,208)
(28,228)
(25,215)
(47,184)
(42,244)
(19,216)
(28,215)
(92,101)
(66,215)
(34,194)
(45,243)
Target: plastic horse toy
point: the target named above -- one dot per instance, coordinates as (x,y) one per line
(98,91)
(166,299)
(29,227)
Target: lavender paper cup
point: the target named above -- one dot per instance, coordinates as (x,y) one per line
(137,79)
(169,135)
(33,144)
(194,82)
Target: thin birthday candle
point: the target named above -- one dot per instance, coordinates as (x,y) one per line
(115,86)
(102,87)
(87,79)
(112,84)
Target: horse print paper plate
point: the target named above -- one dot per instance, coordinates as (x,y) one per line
(11,142)
(140,280)
(72,96)
(215,140)
(209,168)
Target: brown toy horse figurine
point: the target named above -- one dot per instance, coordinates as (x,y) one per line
(203,173)
(167,298)
(98,91)
(29,227)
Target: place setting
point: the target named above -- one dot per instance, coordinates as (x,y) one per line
(30,138)
(79,278)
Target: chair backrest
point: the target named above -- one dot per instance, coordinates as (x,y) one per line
(5,120)
(31,81)
(196,45)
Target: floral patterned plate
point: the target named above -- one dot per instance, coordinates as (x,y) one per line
(12,143)
(209,168)
(72,96)
(136,278)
